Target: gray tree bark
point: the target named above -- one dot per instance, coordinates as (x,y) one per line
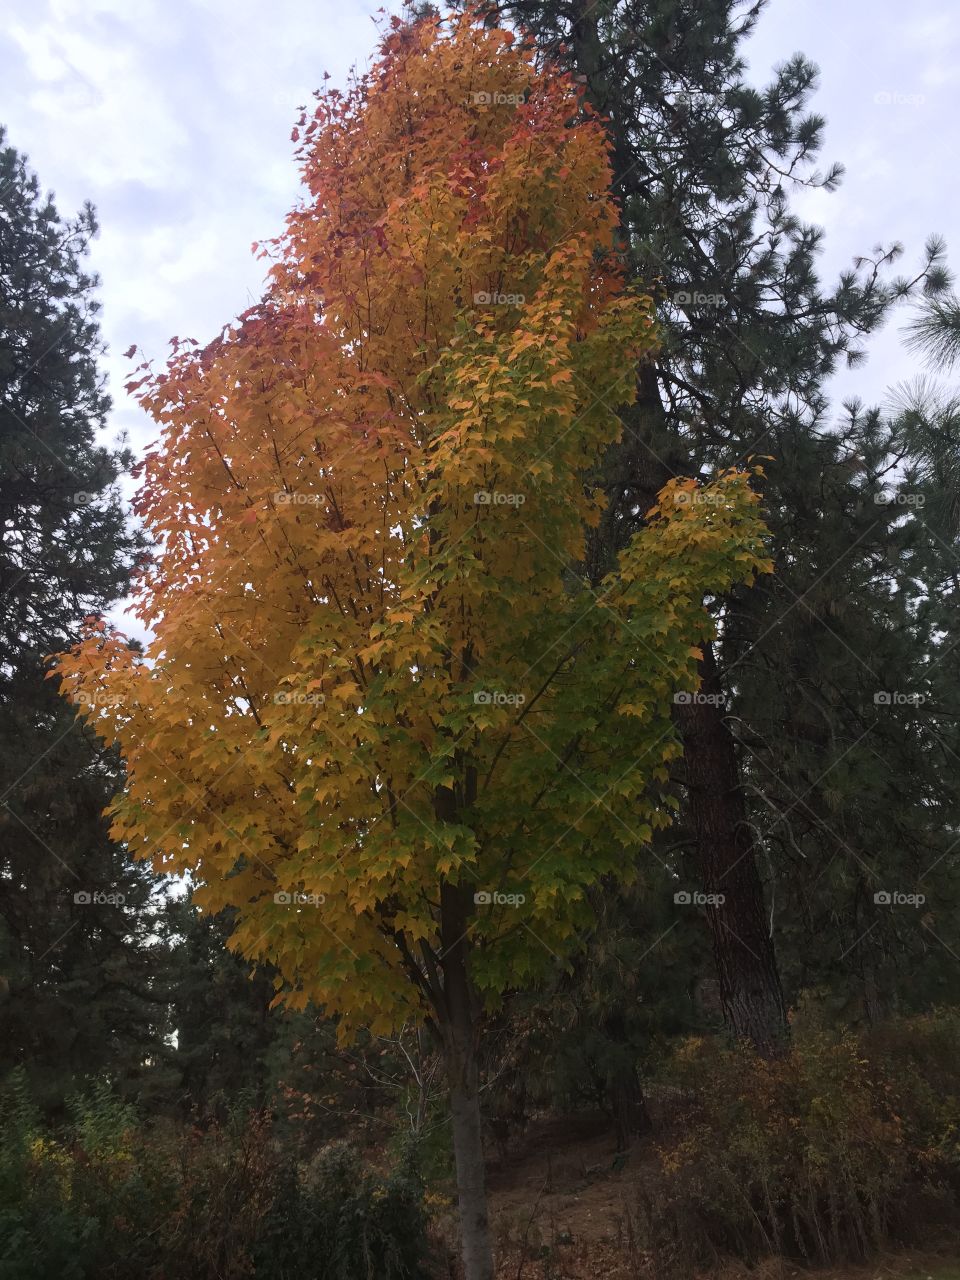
(460,1032)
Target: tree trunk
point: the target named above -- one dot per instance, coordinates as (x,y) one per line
(468,1152)
(463,1075)
(750,993)
(624,1088)
(631,1118)
(750,990)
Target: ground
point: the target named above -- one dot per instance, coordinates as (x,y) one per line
(566,1194)
(563,1207)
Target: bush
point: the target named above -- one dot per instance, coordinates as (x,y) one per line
(110,1200)
(41,1233)
(352,1223)
(827,1154)
(917,1064)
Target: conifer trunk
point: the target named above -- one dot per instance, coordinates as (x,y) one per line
(750,991)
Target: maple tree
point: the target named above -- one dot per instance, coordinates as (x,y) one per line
(384,716)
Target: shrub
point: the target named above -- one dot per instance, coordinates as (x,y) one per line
(351,1222)
(826,1154)
(110,1200)
(916,1062)
(41,1233)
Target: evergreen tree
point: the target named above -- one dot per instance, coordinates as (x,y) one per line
(220,1014)
(704,167)
(230,1048)
(837,715)
(75,914)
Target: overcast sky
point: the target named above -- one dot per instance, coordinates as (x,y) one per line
(174,119)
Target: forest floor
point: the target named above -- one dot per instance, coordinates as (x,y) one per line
(563,1204)
(564,1207)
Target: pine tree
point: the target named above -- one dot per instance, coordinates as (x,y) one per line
(835,705)
(75,987)
(704,165)
(219,1013)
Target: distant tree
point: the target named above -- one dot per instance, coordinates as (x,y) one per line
(75,989)
(840,702)
(221,1022)
(231,1048)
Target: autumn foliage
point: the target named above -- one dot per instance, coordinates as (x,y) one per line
(377,676)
